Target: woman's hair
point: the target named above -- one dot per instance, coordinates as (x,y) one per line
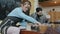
(27,12)
(26,1)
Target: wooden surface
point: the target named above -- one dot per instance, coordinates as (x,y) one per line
(49,3)
(28,32)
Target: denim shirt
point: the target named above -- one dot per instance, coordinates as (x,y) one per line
(17,12)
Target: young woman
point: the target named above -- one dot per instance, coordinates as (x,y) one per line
(16,15)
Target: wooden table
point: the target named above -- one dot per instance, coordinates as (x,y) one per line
(28,32)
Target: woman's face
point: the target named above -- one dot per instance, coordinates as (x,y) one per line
(26,6)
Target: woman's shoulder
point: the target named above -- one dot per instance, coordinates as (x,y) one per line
(18,8)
